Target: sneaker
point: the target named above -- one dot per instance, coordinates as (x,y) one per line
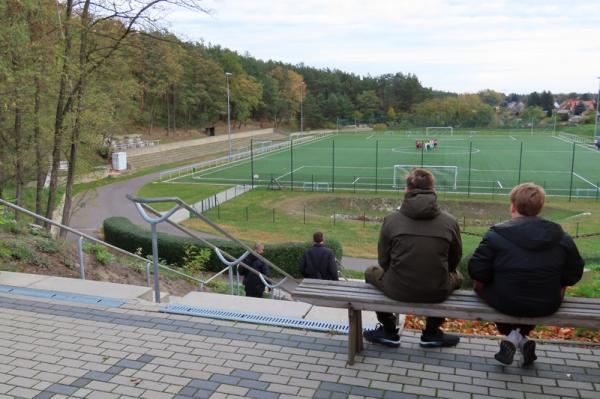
(438,339)
(380,336)
(506,353)
(528,352)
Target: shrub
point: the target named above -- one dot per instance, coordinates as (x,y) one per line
(194,260)
(21,251)
(100,252)
(379,126)
(48,246)
(119,231)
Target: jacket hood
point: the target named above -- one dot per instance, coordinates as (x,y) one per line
(531,233)
(420,204)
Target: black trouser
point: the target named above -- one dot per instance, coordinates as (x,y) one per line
(388,320)
(255,294)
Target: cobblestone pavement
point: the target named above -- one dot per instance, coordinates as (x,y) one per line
(54,349)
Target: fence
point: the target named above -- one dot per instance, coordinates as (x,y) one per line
(489,164)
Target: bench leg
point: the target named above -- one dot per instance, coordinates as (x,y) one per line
(355,343)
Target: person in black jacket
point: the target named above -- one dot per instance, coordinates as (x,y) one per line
(318,261)
(522,267)
(253,285)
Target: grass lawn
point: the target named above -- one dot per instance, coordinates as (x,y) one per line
(487,161)
(190,193)
(355,218)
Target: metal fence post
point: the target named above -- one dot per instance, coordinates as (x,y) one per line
(80,253)
(572,171)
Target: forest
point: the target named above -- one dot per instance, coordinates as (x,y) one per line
(74,73)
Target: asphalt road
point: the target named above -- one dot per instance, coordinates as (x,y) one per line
(96,205)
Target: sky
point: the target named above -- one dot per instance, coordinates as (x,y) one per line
(452,45)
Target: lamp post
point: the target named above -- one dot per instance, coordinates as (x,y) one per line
(227,75)
(301,110)
(596,118)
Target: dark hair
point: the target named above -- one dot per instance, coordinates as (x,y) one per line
(419,178)
(528,198)
(318,237)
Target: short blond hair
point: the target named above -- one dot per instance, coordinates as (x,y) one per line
(419,178)
(528,198)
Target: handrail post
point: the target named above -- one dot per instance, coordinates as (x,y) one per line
(147,274)
(81,260)
(230,272)
(155,261)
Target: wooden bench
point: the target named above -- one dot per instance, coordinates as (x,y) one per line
(357,296)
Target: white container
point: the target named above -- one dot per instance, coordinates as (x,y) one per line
(119,160)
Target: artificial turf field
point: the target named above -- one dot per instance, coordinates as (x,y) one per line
(475,162)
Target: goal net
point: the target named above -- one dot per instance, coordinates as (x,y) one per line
(439,130)
(445,176)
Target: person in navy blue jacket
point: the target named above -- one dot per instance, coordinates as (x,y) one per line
(522,267)
(318,261)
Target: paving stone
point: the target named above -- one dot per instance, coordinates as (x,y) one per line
(62,389)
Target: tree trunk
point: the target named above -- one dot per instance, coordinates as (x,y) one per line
(168,113)
(60,114)
(18,155)
(40,159)
(76,132)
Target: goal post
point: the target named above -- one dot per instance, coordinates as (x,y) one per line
(439,130)
(444,174)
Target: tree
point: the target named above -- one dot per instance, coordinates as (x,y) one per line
(547,102)
(368,104)
(579,108)
(491,97)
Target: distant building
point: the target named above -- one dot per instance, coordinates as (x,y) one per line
(571,104)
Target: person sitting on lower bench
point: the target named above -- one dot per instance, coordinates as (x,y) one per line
(521,268)
(418,252)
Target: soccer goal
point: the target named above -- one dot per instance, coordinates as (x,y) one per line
(439,130)
(445,176)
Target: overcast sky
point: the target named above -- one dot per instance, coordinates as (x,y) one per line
(454,45)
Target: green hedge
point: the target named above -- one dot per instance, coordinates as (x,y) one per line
(120,232)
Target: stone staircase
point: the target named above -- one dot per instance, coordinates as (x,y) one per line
(194,150)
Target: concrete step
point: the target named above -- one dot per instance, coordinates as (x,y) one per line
(78,286)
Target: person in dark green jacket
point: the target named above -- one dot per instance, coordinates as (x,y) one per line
(418,252)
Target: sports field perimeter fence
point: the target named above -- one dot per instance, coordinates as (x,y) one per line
(565,165)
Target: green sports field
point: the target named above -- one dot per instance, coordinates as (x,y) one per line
(468,161)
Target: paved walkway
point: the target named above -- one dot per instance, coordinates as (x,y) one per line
(54,349)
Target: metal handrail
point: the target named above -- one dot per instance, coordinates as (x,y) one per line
(93,239)
(142,205)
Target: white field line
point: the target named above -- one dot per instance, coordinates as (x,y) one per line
(499,184)
(371,136)
(512,137)
(586,180)
(211,170)
(289,173)
(516,170)
(577,144)
(356,180)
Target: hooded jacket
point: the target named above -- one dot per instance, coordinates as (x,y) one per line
(419,245)
(523,263)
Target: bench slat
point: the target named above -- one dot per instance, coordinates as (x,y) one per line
(583,312)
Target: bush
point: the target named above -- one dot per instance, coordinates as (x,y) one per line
(21,251)
(119,231)
(48,246)
(100,252)
(379,126)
